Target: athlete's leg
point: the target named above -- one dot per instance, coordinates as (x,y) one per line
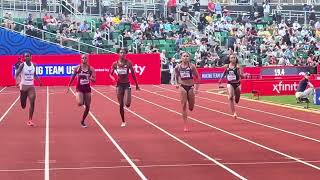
(237,93)
(231,99)
(80,98)
(23,98)
(191,99)
(32,98)
(184,99)
(127,97)
(120,96)
(87,103)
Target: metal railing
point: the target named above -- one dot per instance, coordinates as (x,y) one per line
(51,38)
(300,16)
(26,6)
(272,2)
(120,40)
(135,47)
(193,20)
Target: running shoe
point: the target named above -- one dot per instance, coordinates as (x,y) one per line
(185,128)
(83,125)
(235,115)
(30,123)
(123,124)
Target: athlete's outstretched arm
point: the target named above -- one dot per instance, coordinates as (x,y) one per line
(75,71)
(223,75)
(176,72)
(19,70)
(240,71)
(134,77)
(111,76)
(197,77)
(93,75)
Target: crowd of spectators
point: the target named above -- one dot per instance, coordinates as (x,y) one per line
(258,37)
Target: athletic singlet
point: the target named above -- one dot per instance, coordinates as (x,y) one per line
(27,74)
(84,77)
(122,71)
(185,73)
(232,74)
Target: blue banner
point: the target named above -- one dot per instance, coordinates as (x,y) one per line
(54,70)
(211,75)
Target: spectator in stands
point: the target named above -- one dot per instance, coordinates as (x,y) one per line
(312,17)
(144,26)
(52,21)
(8,21)
(196,8)
(73,27)
(84,27)
(172,66)
(218,9)
(135,26)
(97,38)
(170,18)
(30,29)
(302,91)
(300,61)
(278,13)
(29,18)
(44,21)
(163,57)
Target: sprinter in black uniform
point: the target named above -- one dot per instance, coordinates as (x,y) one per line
(233,73)
(121,68)
(187,76)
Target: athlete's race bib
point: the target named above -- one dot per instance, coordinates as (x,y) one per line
(28,77)
(84,81)
(231,77)
(122,71)
(185,74)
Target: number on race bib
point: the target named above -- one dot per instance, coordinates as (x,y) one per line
(231,77)
(84,81)
(122,71)
(184,74)
(28,77)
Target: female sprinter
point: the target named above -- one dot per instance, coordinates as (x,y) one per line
(185,73)
(122,67)
(233,73)
(25,76)
(85,74)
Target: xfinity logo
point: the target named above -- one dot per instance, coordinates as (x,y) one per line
(284,87)
(139,69)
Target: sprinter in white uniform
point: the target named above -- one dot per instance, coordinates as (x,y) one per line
(27,72)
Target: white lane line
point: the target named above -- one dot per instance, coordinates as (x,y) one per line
(156,166)
(134,166)
(244,107)
(177,139)
(4,115)
(47,142)
(244,119)
(234,135)
(3,88)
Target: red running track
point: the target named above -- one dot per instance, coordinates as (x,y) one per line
(153,139)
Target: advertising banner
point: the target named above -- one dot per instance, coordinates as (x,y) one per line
(54,70)
(273,87)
